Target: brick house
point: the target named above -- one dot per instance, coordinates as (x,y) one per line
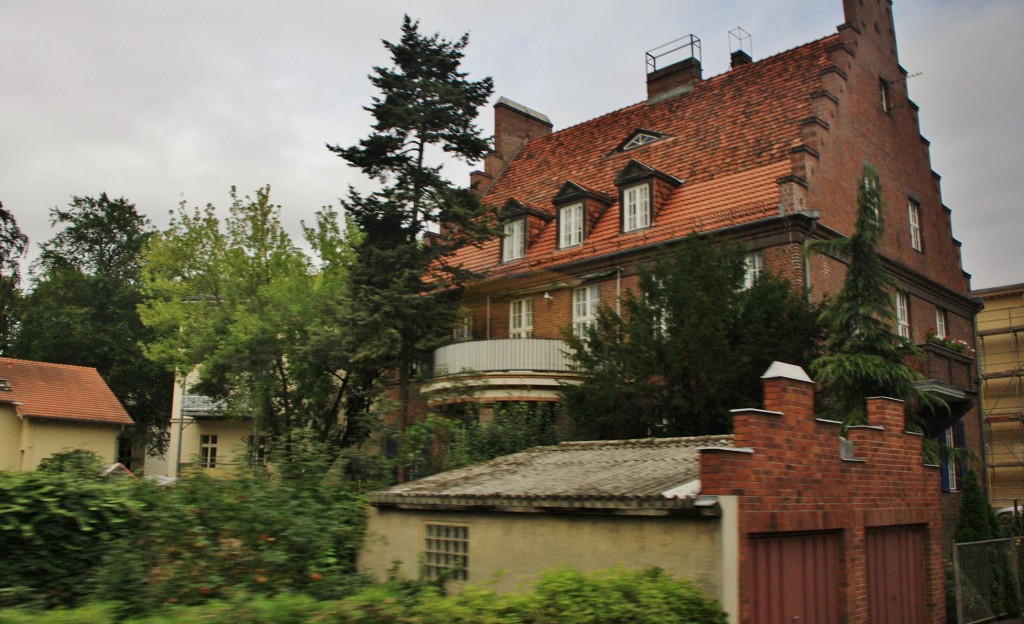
(46,408)
(769,153)
(782,521)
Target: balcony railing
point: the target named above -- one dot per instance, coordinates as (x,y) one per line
(942,364)
(524,354)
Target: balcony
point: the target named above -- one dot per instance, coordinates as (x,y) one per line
(946,373)
(501,370)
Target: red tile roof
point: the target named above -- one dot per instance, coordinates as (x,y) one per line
(729,140)
(60,391)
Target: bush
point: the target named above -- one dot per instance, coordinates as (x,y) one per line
(560,597)
(54,529)
(135,545)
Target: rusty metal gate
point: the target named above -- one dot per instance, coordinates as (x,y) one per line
(896,575)
(796,578)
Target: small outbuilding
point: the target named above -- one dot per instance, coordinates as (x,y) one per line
(46,408)
(783,519)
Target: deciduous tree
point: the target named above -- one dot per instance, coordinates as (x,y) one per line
(239,302)
(13,245)
(82,308)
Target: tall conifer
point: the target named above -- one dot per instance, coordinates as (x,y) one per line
(862,354)
(416,219)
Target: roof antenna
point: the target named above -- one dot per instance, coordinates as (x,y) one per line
(741,47)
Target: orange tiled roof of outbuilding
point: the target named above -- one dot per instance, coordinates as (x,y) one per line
(729,140)
(60,391)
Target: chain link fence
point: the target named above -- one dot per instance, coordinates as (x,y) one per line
(986,576)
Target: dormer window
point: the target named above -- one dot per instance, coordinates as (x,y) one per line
(641,188)
(639,138)
(578,210)
(513,245)
(570,225)
(636,207)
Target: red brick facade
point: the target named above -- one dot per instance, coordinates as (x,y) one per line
(796,480)
(770,154)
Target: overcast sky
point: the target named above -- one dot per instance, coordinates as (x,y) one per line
(164,101)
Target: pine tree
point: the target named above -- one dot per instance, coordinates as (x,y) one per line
(417,219)
(862,355)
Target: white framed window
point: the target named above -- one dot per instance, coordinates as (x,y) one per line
(885,95)
(949,438)
(570,225)
(208,451)
(585,301)
(513,245)
(463,329)
(446,552)
(871,184)
(914,217)
(636,207)
(941,326)
(902,315)
(520,318)
(639,139)
(753,265)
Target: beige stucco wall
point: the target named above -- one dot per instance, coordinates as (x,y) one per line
(232,435)
(512,549)
(42,438)
(10,438)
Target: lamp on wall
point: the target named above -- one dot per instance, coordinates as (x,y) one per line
(548,297)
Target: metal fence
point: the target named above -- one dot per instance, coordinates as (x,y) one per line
(986,576)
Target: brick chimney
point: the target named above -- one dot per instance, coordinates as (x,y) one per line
(515,124)
(739,58)
(672,80)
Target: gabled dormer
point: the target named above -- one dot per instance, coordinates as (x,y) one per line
(577,210)
(639,138)
(521,224)
(643,192)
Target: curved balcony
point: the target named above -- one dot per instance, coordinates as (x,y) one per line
(501,370)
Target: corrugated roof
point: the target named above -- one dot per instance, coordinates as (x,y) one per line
(729,140)
(625,470)
(60,391)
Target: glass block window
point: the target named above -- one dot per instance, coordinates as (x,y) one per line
(447,552)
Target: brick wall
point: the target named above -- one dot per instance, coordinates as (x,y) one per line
(795,480)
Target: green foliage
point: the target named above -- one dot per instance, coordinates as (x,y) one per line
(13,246)
(82,308)
(75,463)
(688,347)
(240,302)
(560,597)
(440,443)
(138,546)
(426,107)
(977,522)
(54,529)
(862,355)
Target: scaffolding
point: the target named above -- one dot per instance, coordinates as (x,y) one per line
(1001,366)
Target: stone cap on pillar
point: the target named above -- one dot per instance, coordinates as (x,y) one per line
(781,370)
